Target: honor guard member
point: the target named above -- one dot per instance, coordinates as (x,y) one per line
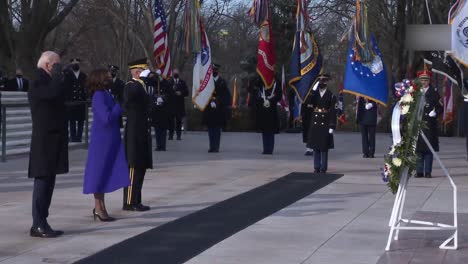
(322,123)
(117,84)
(137,138)
(432,109)
(307,108)
(465,115)
(177,103)
(216,113)
(266,113)
(160,91)
(367,120)
(75,82)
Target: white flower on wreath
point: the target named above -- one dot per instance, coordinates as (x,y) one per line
(407,98)
(397,162)
(392,151)
(405,109)
(411,89)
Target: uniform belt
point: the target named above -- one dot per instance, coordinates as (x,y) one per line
(320,110)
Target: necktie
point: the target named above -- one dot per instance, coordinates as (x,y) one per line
(20,84)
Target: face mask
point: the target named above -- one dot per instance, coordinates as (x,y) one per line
(176,76)
(107,83)
(113,74)
(322,86)
(19,76)
(76,67)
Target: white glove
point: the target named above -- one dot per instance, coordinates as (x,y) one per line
(369,106)
(213,105)
(432,113)
(330,131)
(145,73)
(316,86)
(159,101)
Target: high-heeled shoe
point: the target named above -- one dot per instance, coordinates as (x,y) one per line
(102,219)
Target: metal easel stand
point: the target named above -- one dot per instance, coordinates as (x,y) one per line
(396,219)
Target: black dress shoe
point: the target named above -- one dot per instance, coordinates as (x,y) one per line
(267,153)
(170,138)
(418,175)
(57,232)
(365,156)
(44,232)
(371,156)
(309,153)
(178,138)
(210,151)
(323,171)
(138,208)
(427,175)
(317,171)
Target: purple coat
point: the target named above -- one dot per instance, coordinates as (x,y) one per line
(106,167)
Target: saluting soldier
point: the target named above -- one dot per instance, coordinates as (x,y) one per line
(137,104)
(322,123)
(266,113)
(367,120)
(217,112)
(75,81)
(177,102)
(432,109)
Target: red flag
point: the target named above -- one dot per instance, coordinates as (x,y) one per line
(266,54)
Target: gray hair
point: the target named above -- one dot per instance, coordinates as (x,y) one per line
(46,57)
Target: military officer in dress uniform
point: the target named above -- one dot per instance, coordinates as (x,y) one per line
(177,103)
(322,123)
(367,120)
(216,113)
(137,138)
(432,109)
(160,91)
(266,112)
(75,81)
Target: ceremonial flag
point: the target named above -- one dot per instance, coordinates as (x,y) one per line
(161,52)
(203,82)
(284,100)
(340,112)
(458,18)
(306,60)
(448,101)
(234,94)
(444,65)
(366,79)
(297,108)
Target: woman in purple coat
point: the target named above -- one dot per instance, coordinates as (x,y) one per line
(106,167)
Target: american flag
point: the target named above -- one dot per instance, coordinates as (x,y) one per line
(161,52)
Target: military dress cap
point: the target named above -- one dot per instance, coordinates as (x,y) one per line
(216,66)
(323,76)
(140,63)
(75,60)
(424,75)
(113,67)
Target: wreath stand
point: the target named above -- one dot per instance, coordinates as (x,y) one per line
(396,219)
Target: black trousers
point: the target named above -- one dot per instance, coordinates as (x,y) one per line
(160,136)
(320,160)
(268,142)
(368,139)
(214,135)
(176,123)
(132,194)
(41,199)
(76,130)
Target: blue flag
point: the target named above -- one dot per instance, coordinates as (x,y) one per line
(297,107)
(368,80)
(306,61)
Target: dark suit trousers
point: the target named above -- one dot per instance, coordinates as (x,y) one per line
(214,135)
(176,123)
(76,130)
(132,194)
(160,135)
(41,199)
(368,139)
(268,142)
(424,162)
(320,160)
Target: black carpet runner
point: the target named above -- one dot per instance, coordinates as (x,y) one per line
(184,238)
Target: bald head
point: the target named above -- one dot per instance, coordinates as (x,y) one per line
(47,60)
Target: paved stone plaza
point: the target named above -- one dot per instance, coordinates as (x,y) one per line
(344,222)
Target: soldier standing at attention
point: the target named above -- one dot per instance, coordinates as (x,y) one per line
(75,82)
(367,119)
(137,104)
(322,123)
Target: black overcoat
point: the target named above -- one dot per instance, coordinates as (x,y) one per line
(177,99)
(322,119)
(76,91)
(267,120)
(306,113)
(161,113)
(137,137)
(364,116)
(218,117)
(431,128)
(49,142)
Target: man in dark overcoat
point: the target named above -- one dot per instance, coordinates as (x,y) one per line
(177,103)
(117,87)
(18,84)
(322,123)
(216,113)
(266,112)
(367,120)
(137,138)
(75,82)
(432,109)
(49,146)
